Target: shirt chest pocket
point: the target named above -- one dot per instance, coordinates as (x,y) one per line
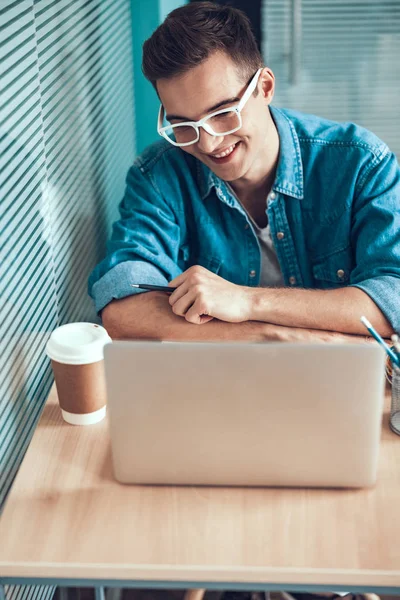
(333,271)
(213,264)
(185,260)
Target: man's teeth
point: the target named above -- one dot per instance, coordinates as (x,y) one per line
(225,153)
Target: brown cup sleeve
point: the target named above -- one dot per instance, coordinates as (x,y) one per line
(81,389)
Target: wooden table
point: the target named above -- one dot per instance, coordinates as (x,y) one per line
(67,521)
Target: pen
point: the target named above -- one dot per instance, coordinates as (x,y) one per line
(393,357)
(154,288)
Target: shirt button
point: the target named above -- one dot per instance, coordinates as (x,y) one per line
(280,235)
(246,226)
(340,273)
(272,195)
(252,273)
(292,280)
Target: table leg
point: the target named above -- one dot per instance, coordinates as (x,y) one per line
(99,593)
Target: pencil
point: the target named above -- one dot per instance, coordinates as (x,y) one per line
(153,288)
(393,356)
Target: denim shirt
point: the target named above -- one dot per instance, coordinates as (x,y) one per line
(333,212)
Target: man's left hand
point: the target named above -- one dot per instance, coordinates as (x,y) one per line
(202,296)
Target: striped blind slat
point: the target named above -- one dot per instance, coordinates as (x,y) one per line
(62,119)
(67,138)
(348,61)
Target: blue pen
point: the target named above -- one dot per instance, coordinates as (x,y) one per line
(393,357)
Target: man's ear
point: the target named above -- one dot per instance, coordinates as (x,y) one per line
(267,79)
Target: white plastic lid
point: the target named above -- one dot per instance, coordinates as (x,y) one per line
(77,343)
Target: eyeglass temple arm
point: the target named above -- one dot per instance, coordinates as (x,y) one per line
(160,116)
(249,90)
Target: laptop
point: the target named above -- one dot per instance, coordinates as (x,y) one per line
(239,414)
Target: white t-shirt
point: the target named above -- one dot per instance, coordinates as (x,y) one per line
(271,274)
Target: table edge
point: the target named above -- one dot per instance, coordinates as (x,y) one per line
(200,574)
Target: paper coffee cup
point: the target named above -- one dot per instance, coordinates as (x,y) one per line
(76,353)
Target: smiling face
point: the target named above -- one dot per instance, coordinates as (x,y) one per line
(213,85)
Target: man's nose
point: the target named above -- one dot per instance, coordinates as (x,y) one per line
(207,143)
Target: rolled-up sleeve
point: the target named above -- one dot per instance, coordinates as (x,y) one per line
(376,237)
(144,244)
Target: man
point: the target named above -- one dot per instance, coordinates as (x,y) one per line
(270,223)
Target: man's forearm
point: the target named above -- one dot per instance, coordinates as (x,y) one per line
(330,310)
(149,316)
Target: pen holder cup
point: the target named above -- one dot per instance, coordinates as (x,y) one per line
(394,420)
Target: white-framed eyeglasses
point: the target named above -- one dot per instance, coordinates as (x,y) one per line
(222,122)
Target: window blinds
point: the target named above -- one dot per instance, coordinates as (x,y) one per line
(66,143)
(339,60)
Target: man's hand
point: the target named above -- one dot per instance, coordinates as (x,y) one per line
(202,296)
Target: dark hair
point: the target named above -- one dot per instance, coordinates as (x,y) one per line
(192,32)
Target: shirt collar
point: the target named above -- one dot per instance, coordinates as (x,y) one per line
(289,172)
